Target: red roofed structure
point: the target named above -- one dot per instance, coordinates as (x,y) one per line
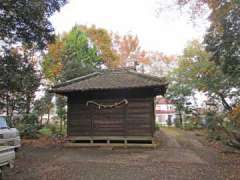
(165,111)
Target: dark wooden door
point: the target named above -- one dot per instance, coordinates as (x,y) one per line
(108,122)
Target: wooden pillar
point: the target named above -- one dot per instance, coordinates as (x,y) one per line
(68,114)
(90,111)
(125,120)
(153,116)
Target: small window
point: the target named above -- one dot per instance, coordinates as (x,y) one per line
(3,123)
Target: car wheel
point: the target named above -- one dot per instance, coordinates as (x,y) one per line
(1,173)
(11,164)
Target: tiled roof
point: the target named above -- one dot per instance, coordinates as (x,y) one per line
(110,79)
(162,100)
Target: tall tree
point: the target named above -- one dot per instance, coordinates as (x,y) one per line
(71,56)
(223,37)
(39,108)
(160,64)
(103,42)
(52,64)
(197,71)
(24,24)
(80,56)
(18,82)
(61,111)
(27,22)
(129,50)
(180,93)
(223,42)
(47,99)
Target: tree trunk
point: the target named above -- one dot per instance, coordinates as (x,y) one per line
(28,104)
(224,102)
(61,125)
(48,117)
(41,120)
(10,110)
(180,117)
(7,105)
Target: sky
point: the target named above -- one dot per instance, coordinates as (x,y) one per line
(166,32)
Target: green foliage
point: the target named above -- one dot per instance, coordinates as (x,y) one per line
(103,42)
(45,131)
(27,22)
(197,73)
(216,128)
(28,126)
(25,25)
(216,71)
(61,104)
(43,106)
(39,107)
(29,131)
(18,82)
(52,130)
(157,126)
(78,46)
(179,91)
(31,118)
(61,107)
(190,124)
(223,40)
(71,56)
(212,120)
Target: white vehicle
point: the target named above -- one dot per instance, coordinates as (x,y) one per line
(8,136)
(7,157)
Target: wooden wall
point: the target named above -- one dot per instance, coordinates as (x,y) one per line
(134,119)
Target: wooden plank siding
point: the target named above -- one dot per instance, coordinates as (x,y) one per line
(134,119)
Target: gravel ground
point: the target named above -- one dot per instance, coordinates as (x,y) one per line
(181,156)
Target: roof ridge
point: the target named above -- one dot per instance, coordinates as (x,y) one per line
(147,76)
(125,69)
(77,79)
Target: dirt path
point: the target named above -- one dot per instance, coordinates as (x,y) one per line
(181,156)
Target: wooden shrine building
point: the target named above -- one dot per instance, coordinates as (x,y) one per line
(111,106)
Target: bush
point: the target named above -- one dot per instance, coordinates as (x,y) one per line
(28,126)
(52,130)
(31,118)
(191,123)
(234,116)
(217,128)
(221,127)
(29,130)
(157,126)
(45,132)
(178,123)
